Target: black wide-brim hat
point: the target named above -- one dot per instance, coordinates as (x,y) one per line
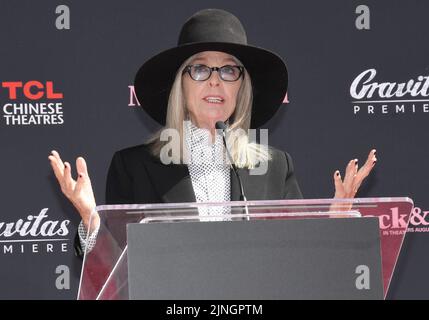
(213,30)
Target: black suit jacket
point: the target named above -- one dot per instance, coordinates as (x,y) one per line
(135,176)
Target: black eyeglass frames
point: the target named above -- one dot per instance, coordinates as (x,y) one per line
(201,72)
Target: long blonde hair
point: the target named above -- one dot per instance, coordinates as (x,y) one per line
(245,154)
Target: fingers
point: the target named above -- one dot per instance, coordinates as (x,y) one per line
(57,166)
(67,174)
(57,160)
(366,169)
(351,171)
(81,167)
(368,166)
(56,163)
(339,188)
(353,177)
(82,174)
(62,171)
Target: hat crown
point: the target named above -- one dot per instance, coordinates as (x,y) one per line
(213,30)
(212,25)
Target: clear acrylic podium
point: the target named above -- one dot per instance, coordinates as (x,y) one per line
(106,271)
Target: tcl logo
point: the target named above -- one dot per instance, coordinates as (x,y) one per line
(399,221)
(32,90)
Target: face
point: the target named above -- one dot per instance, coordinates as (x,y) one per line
(205,112)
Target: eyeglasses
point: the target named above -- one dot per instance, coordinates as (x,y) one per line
(201,72)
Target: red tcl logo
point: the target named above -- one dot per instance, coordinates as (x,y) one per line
(33,90)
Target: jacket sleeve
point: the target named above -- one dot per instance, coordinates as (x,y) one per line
(292,190)
(119,182)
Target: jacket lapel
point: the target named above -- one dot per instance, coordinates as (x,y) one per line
(181,187)
(255,186)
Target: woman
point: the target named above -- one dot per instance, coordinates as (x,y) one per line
(212,75)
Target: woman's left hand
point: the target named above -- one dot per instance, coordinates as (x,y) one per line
(353,179)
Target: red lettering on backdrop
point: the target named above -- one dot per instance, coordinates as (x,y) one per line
(32,90)
(27,90)
(12,85)
(50,94)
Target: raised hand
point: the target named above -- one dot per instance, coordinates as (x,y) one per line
(353,178)
(78,191)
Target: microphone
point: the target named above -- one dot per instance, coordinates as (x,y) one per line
(220,125)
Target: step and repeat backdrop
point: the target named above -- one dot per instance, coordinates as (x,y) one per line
(358,79)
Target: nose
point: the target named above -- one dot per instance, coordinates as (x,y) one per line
(214,79)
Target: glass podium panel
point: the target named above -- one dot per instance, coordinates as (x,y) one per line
(105,271)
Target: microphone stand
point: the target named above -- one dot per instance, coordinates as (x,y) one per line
(221,126)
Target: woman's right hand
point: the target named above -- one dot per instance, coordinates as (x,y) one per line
(79,191)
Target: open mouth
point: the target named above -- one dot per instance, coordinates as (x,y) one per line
(214,99)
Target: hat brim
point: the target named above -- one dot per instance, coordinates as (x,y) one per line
(267,70)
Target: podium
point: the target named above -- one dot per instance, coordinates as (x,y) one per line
(277,249)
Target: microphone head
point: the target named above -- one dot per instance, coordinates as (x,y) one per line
(220,125)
